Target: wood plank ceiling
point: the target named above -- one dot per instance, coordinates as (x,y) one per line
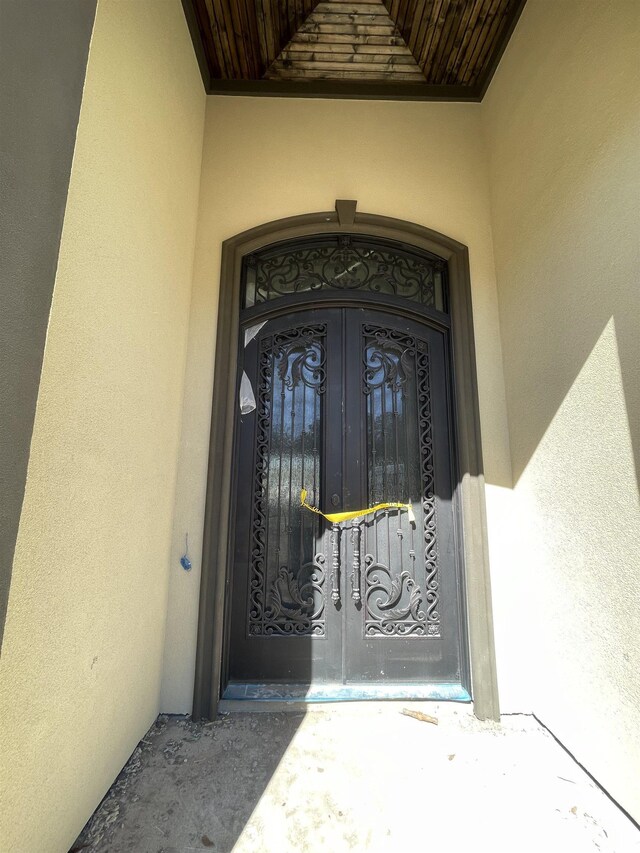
(420,49)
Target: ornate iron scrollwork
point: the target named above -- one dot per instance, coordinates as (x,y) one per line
(345,262)
(295,602)
(397,611)
(300,359)
(396,383)
(286,594)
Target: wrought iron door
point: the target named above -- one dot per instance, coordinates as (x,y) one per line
(352,404)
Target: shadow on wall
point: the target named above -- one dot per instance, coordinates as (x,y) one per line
(44,55)
(567,255)
(548,369)
(576,579)
(565,228)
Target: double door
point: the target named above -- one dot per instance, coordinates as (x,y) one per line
(353,405)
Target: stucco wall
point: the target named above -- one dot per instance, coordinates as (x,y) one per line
(83,643)
(43,58)
(562,119)
(264,159)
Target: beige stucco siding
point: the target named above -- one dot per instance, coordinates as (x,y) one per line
(540,181)
(562,119)
(264,159)
(82,655)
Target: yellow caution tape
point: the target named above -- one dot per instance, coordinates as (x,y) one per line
(336,517)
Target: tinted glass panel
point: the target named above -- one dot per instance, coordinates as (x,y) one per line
(400,567)
(287,575)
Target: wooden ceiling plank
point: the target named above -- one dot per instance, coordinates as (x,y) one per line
(423,30)
(303,9)
(291,17)
(348,29)
(284,34)
(419,30)
(352,74)
(332,65)
(438,30)
(299,13)
(202,20)
(223,42)
(439,37)
(294,49)
(250,37)
(302,74)
(447,36)
(221,30)
(455,42)
(227,39)
(429,40)
(217,40)
(241,33)
(371,62)
(375,48)
(350,8)
(396,10)
(280,37)
(344,56)
(338,18)
(345,38)
(341,27)
(418,25)
(419,33)
(466,23)
(478,24)
(491,40)
(262,34)
(307,7)
(271,47)
(493,7)
(405,15)
(232,11)
(392,7)
(344,47)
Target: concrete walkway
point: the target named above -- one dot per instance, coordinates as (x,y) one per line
(358,777)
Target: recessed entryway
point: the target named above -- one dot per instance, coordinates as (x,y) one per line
(348,338)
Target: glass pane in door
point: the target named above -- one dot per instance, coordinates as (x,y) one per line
(399,564)
(287,571)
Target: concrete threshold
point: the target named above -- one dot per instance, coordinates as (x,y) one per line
(355,776)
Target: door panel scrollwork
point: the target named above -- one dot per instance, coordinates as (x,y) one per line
(392,602)
(401,582)
(287,574)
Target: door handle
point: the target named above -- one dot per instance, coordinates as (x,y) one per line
(335,500)
(355,564)
(335,563)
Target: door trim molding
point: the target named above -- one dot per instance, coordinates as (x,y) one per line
(470,486)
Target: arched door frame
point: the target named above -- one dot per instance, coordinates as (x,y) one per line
(470,486)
